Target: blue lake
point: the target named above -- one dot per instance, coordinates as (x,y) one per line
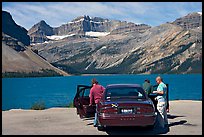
(60,91)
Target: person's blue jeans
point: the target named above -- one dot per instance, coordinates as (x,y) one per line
(95,118)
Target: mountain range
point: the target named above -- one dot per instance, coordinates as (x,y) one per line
(17,57)
(94,45)
(39,32)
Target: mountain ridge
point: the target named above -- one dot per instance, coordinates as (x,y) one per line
(9,26)
(83,24)
(167,48)
(18,59)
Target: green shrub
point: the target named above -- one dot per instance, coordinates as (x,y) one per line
(71,105)
(38,105)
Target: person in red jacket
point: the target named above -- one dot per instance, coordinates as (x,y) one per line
(95,96)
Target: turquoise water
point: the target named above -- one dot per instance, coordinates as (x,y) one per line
(60,91)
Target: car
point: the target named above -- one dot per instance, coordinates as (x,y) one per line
(120,105)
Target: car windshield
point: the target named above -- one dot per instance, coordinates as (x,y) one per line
(125,92)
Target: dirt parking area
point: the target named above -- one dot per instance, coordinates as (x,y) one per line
(185,118)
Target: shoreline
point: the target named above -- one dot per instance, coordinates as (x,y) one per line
(19,109)
(100,75)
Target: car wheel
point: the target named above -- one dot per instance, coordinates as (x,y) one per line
(150,127)
(81,116)
(101,128)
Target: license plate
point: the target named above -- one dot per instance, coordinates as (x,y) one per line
(126,111)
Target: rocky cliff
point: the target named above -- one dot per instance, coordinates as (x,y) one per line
(167,48)
(39,32)
(17,57)
(190,21)
(10,28)
(81,25)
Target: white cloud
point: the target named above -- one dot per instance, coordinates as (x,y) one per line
(56,13)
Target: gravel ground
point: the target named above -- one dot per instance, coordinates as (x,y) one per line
(185,118)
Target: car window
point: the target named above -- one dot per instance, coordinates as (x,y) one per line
(81,92)
(86,92)
(125,92)
(140,94)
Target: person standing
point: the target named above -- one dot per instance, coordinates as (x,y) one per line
(162,101)
(95,96)
(147,86)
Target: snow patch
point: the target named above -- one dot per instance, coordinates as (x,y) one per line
(56,37)
(115,63)
(99,21)
(97,34)
(40,43)
(82,19)
(89,64)
(96,22)
(193,46)
(199,13)
(104,47)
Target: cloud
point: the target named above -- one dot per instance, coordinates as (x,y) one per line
(27,14)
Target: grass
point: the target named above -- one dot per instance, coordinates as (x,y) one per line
(71,105)
(40,105)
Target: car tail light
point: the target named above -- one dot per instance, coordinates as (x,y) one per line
(146,110)
(108,110)
(103,110)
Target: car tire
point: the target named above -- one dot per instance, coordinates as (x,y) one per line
(81,116)
(150,127)
(101,128)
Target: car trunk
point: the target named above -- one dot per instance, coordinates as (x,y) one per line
(140,106)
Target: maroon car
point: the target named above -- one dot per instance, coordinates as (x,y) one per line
(120,105)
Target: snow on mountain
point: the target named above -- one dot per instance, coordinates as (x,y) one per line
(199,13)
(96,34)
(56,37)
(90,33)
(104,47)
(82,19)
(41,43)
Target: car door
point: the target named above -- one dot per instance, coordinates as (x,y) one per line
(82,101)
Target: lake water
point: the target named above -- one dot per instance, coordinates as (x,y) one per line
(60,91)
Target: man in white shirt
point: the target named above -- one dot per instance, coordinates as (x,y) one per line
(162,101)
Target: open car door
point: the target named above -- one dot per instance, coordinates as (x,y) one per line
(152,96)
(82,101)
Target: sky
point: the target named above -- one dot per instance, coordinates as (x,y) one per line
(55,14)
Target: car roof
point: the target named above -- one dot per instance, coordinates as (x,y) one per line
(122,85)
